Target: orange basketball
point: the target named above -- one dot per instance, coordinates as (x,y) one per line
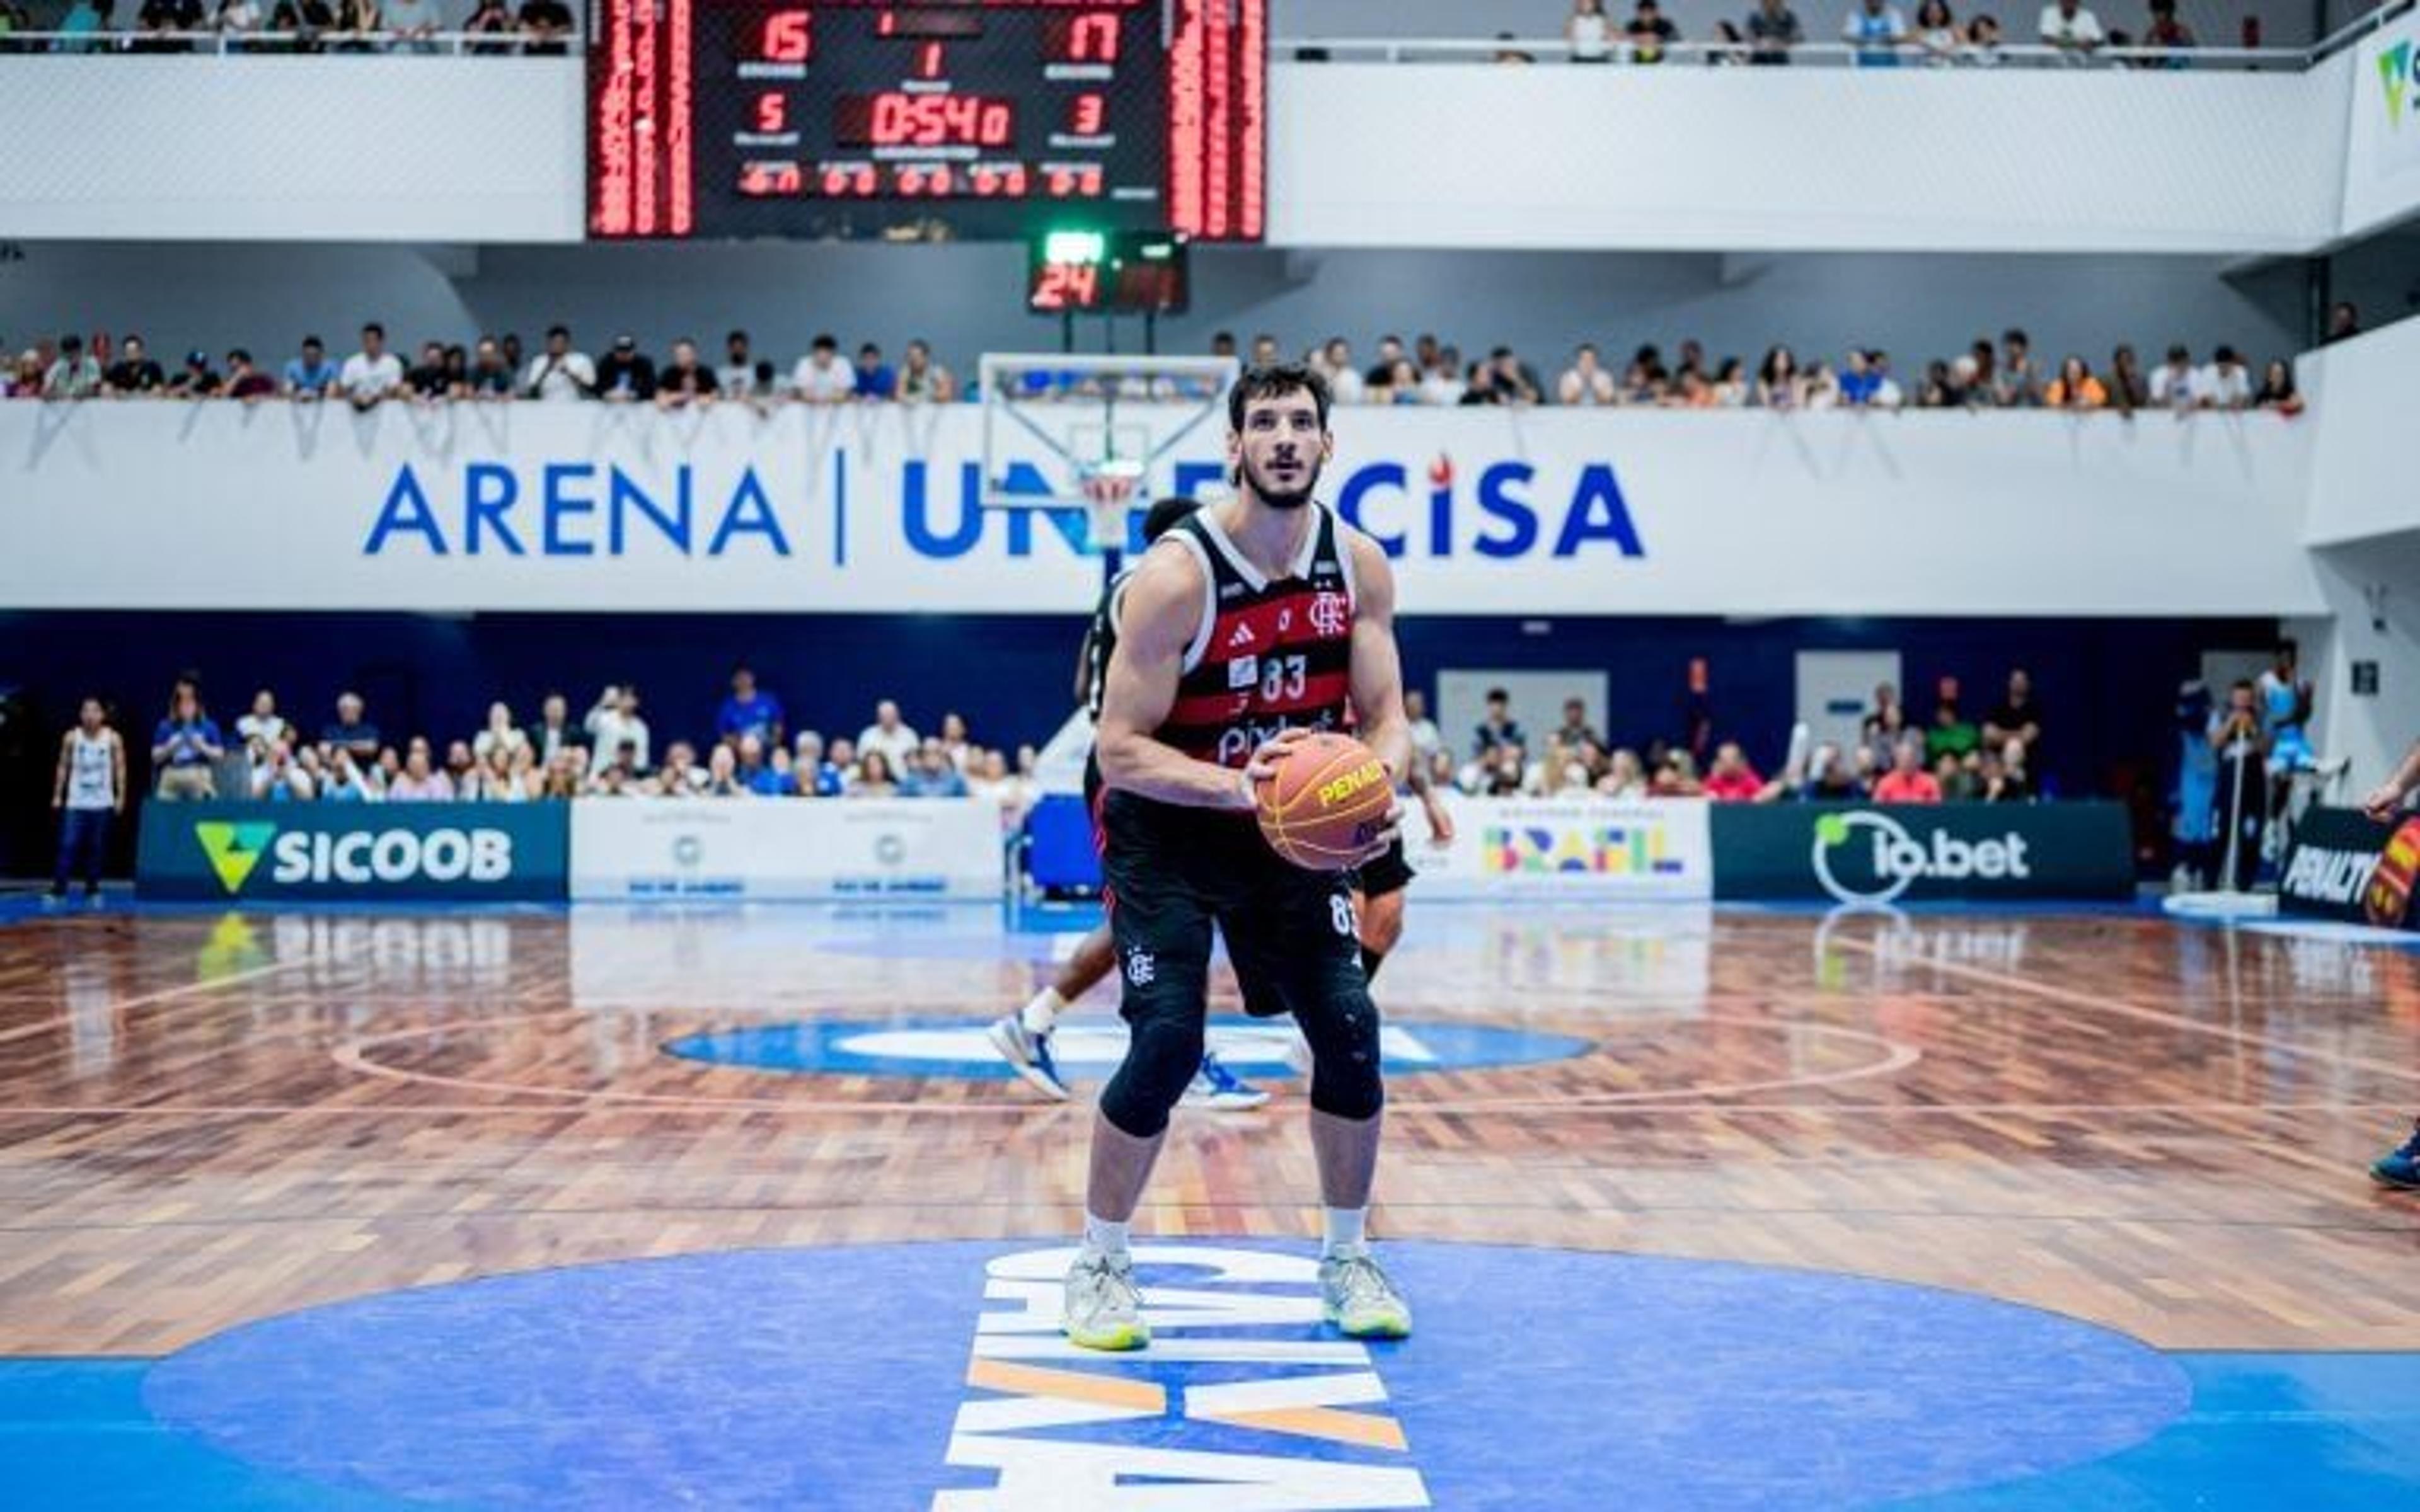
(1326,802)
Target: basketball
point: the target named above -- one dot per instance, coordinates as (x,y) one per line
(1330,797)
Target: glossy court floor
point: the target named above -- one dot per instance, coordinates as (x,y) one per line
(2016,1211)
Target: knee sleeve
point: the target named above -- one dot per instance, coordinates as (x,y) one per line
(1346,1078)
(1161,1058)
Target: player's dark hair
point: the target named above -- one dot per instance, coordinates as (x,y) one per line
(1275,381)
(1163,516)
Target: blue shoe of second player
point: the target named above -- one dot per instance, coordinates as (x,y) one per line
(1030,1053)
(2400,1167)
(1217,1087)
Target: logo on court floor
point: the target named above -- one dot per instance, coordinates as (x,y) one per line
(1899,860)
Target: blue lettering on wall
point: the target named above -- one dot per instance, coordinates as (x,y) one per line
(749,513)
(1598,492)
(561,505)
(916,511)
(488,488)
(1495,496)
(623,495)
(1349,502)
(406,509)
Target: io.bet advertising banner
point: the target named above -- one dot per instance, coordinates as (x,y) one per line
(1871,854)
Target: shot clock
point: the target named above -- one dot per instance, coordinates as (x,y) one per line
(948,119)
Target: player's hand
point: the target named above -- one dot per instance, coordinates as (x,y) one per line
(1440,823)
(2382,802)
(1390,830)
(1272,754)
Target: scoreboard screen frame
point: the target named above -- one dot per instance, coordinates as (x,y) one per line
(926,120)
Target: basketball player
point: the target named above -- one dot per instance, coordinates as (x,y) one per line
(1247,626)
(2400,1167)
(88,790)
(1023,1039)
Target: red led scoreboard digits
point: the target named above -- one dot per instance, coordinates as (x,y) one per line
(970,119)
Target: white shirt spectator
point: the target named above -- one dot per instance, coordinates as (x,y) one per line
(2223,386)
(364,377)
(823,383)
(2076,33)
(559,378)
(610,728)
(1441,388)
(896,744)
(1589,385)
(1345,386)
(2174,385)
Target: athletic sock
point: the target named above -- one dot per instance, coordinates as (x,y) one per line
(1102,1236)
(1041,1015)
(1345,1226)
(1371,961)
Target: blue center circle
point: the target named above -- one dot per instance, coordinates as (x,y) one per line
(882,1375)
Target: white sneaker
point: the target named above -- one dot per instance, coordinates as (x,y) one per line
(1104,1305)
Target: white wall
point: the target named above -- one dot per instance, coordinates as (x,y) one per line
(1480,155)
(2360,466)
(328,148)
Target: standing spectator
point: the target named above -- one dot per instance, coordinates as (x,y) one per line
(1649,32)
(263,730)
(616,730)
(1936,34)
(1876,30)
(1731,779)
(373,372)
(1982,50)
(310,376)
(491,375)
(1334,364)
(346,784)
(2236,736)
(420,780)
(2224,384)
(821,376)
(2277,390)
(1883,726)
(2172,381)
(426,379)
(245,382)
(350,731)
(1498,729)
(414,23)
(737,377)
(1381,373)
(134,372)
(1426,738)
(545,23)
(491,18)
(627,375)
(1576,731)
(500,737)
(683,380)
(1907,781)
(1589,32)
(88,790)
(1778,384)
(1772,30)
(887,735)
(1952,733)
(2344,319)
(2073,29)
(1514,379)
(2129,390)
(1859,382)
(2075,388)
(74,376)
(750,712)
(1586,381)
(2017,716)
(875,379)
(923,381)
(559,373)
(2015,385)
(186,747)
(196,381)
(2169,34)
(553,735)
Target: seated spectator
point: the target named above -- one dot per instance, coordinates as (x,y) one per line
(1497,728)
(1772,30)
(723,779)
(421,781)
(1907,781)
(566,774)
(492,18)
(2168,34)
(350,729)
(842,760)
(875,379)
(373,373)
(1858,381)
(2277,390)
(134,374)
(2075,388)
(2224,384)
(929,774)
(501,734)
(245,382)
(1833,775)
(2172,381)
(750,710)
(1731,779)
(545,25)
(1937,42)
(1381,373)
(1478,387)
(462,766)
(74,375)
(767,779)
(1952,735)
(1624,775)
(344,782)
(923,381)
(680,776)
(489,375)
(737,377)
(357,23)
(1426,737)
(1676,777)
(627,375)
(262,729)
(82,19)
(1586,381)
(615,726)
(873,779)
(492,778)
(196,380)
(554,733)
(889,734)
(1649,32)
(1512,377)
(816,777)
(2069,26)
(413,24)
(2016,718)
(1958,783)
(559,374)
(1334,362)
(821,376)
(1876,30)
(1505,772)
(1730,386)
(1996,781)
(954,742)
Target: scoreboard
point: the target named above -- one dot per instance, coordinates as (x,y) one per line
(926,120)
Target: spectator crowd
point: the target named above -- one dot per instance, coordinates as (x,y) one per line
(1429,370)
(535,28)
(1877,34)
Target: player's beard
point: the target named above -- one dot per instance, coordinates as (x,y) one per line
(1277,498)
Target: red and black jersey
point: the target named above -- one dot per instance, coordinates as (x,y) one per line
(1272,653)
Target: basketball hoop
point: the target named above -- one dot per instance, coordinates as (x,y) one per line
(1110,491)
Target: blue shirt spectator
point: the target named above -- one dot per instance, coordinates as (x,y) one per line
(931,776)
(767,782)
(1859,381)
(875,379)
(750,711)
(1875,29)
(188,741)
(310,374)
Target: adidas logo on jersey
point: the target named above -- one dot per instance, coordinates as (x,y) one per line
(1243,635)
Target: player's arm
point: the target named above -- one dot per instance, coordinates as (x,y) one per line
(1160,615)
(59,779)
(2388,795)
(1377,668)
(117,769)
(1084,667)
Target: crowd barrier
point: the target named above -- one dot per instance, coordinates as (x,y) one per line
(2345,865)
(1581,848)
